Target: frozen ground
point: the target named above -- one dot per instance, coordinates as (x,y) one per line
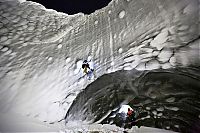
(11,122)
(41,51)
(18,123)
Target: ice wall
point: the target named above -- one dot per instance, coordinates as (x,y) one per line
(41,50)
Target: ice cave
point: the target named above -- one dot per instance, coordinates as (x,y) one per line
(146,56)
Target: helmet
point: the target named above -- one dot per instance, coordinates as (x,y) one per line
(85,61)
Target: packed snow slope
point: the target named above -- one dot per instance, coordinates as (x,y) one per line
(41,52)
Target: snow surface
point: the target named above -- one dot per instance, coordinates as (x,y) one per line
(11,122)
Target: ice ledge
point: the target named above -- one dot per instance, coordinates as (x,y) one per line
(65,14)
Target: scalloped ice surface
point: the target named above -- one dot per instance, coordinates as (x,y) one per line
(41,51)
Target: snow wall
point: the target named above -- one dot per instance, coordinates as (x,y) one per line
(41,52)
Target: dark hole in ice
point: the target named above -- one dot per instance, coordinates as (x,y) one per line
(166,99)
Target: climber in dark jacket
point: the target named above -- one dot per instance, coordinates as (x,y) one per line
(85,66)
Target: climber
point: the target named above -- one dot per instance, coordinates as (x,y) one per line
(85,67)
(88,68)
(130,120)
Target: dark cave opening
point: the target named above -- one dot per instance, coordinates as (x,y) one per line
(159,97)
